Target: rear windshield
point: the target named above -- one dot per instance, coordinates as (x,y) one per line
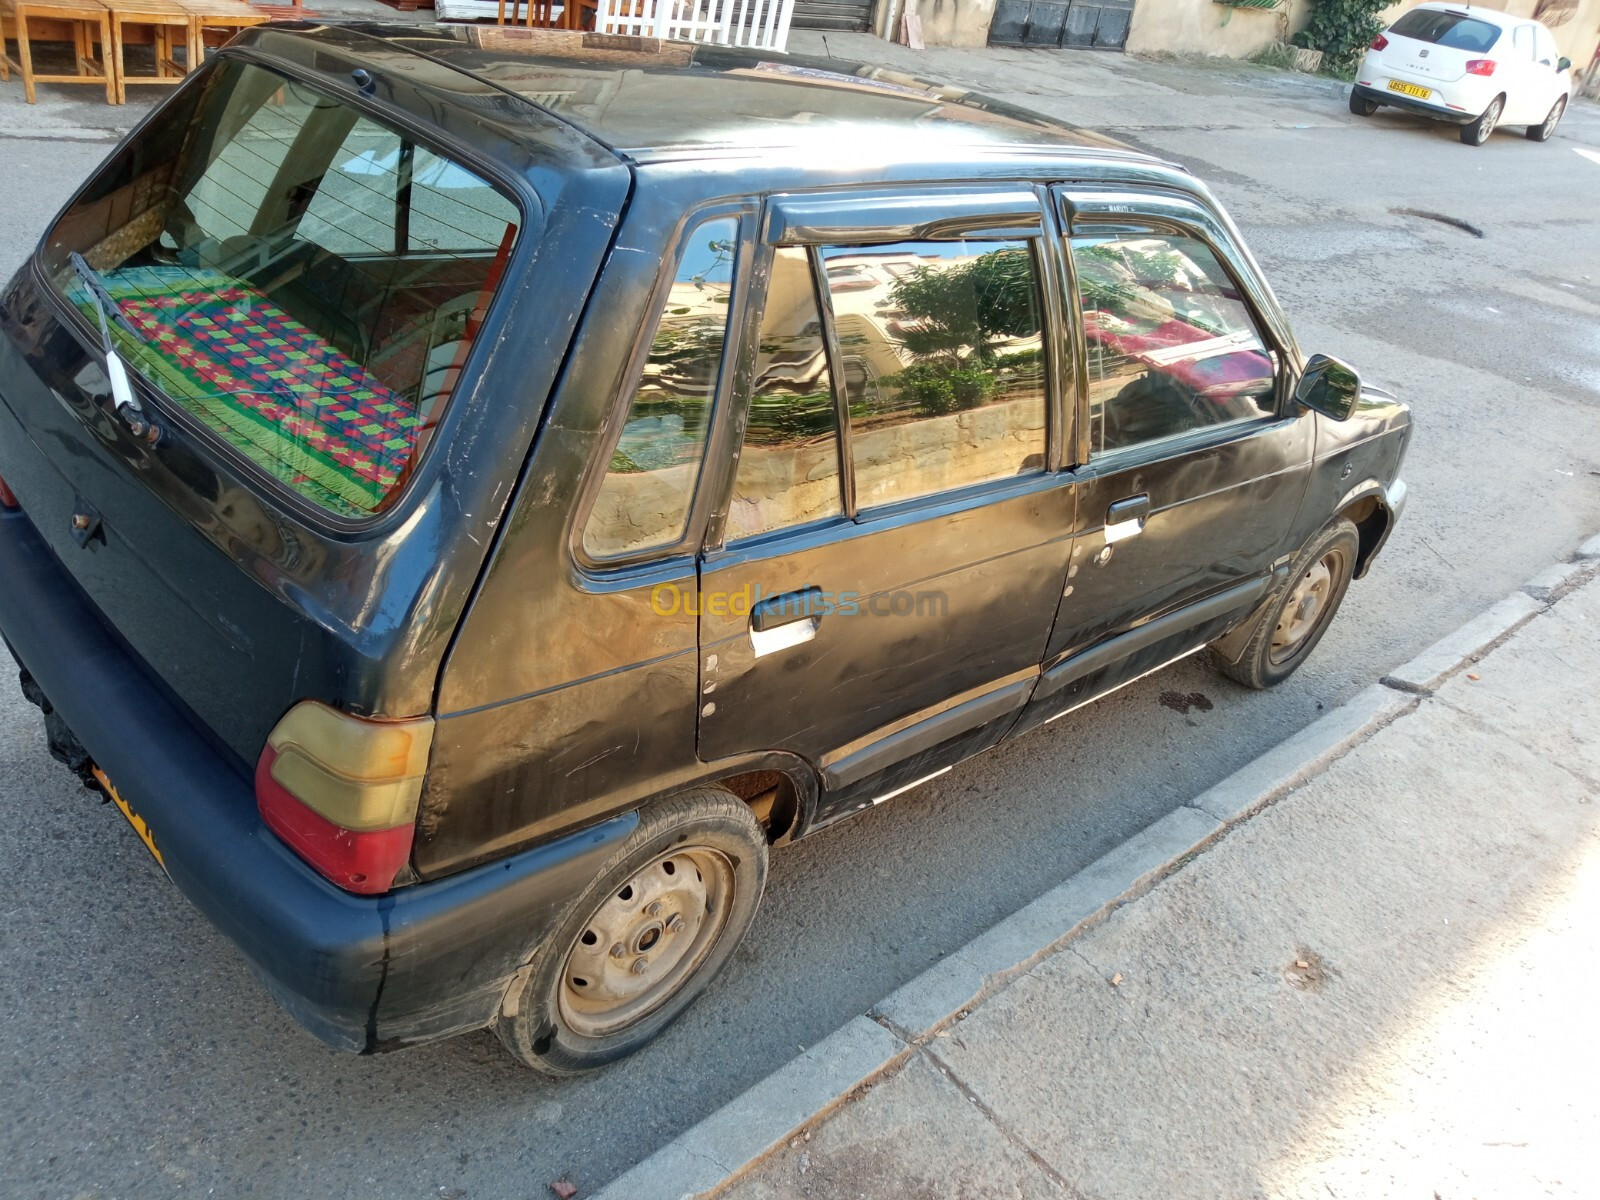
(303,280)
(1447,29)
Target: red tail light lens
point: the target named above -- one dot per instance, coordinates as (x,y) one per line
(8,498)
(1481,66)
(342,791)
(1379,42)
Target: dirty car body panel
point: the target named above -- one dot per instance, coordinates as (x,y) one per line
(170,604)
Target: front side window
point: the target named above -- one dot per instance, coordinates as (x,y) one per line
(1172,347)
(941,349)
(645,497)
(789,465)
(303,281)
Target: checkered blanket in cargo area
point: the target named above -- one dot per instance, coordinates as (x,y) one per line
(292,403)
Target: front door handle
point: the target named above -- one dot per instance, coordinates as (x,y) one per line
(779,622)
(1126,518)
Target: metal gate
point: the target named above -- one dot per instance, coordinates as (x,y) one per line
(1086,24)
(833,14)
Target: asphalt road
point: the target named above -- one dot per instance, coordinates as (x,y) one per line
(138,1057)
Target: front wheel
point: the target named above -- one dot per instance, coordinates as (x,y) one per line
(1361,105)
(1291,624)
(643,940)
(1543,132)
(1477,133)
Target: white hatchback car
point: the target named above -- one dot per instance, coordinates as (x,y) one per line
(1474,67)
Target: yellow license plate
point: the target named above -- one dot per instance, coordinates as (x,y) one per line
(1410,89)
(134,819)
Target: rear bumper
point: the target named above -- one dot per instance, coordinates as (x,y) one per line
(361,973)
(1410,104)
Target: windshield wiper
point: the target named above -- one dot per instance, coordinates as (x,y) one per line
(123,399)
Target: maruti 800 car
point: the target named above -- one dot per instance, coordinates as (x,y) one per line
(465,506)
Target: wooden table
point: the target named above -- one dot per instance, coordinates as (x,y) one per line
(163,16)
(232,15)
(88,19)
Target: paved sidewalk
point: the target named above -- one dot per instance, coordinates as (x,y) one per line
(1382,985)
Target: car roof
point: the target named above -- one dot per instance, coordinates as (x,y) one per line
(651,101)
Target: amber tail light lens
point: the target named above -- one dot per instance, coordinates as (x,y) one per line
(342,791)
(8,498)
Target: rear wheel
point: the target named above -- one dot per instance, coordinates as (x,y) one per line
(1293,622)
(1362,106)
(644,939)
(1543,132)
(1477,133)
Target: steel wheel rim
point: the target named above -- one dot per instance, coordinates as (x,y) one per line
(1554,118)
(1306,607)
(664,921)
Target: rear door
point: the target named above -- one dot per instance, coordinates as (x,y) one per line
(884,573)
(1193,461)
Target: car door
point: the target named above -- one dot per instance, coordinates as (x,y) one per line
(1193,461)
(883,574)
(1553,84)
(1526,86)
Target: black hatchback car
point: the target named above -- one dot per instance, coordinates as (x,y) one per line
(467,496)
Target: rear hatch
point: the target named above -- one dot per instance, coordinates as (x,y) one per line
(296,281)
(1433,45)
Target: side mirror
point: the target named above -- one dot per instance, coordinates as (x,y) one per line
(1329,387)
(1564,64)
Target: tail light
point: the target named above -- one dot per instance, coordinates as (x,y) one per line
(342,791)
(1481,66)
(1380,42)
(8,498)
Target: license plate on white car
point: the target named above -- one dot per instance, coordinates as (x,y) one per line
(1410,89)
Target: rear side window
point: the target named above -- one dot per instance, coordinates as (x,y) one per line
(941,349)
(1447,29)
(301,279)
(789,466)
(644,499)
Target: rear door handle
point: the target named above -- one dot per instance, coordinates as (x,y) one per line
(1126,518)
(787,620)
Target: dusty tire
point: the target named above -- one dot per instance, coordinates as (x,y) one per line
(579,1006)
(1544,131)
(1300,611)
(1361,105)
(1477,133)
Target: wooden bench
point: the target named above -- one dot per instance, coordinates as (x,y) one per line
(89,20)
(163,17)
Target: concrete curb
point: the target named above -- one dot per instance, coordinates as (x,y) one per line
(1424,673)
(734,1138)
(736,1135)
